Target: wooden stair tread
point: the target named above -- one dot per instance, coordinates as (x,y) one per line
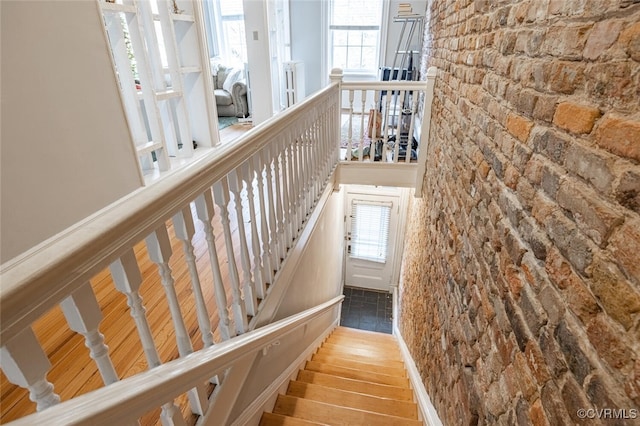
(346,359)
(334,415)
(361,401)
(353,373)
(361,365)
(272,419)
(354,385)
(377,353)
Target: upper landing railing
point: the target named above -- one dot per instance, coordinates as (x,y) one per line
(246,202)
(380,125)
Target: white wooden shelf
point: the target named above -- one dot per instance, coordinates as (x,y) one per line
(189,70)
(117,7)
(183,17)
(168,115)
(148,147)
(168,94)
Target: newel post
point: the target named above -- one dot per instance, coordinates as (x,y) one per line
(424,131)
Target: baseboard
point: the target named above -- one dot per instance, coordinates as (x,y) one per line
(267,399)
(426,409)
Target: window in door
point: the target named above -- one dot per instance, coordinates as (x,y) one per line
(370,230)
(354,31)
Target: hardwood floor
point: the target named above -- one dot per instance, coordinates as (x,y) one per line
(74,373)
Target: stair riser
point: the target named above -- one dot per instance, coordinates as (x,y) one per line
(365,353)
(356,374)
(331,414)
(362,364)
(353,385)
(359,401)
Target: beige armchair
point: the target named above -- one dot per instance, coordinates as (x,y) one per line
(230,89)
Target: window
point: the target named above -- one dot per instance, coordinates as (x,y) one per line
(370,230)
(225,30)
(354,30)
(235,43)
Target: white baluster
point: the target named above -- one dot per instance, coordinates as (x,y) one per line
(248,290)
(83,315)
(265,259)
(297,184)
(249,176)
(306,175)
(205,211)
(314,165)
(127,279)
(294,181)
(274,248)
(185,230)
(363,97)
(159,250)
(25,364)
(386,125)
(398,109)
(277,176)
(350,133)
(414,109)
(286,187)
(311,164)
(221,196)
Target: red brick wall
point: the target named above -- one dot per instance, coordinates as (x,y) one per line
(520,296)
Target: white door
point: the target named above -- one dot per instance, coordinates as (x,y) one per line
(372,222)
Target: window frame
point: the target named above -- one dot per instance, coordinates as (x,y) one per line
(380,47)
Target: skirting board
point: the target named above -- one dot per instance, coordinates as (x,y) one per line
(428,412)
(267,399)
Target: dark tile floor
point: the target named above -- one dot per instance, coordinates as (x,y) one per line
(367,310)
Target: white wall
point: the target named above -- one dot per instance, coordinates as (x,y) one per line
(256,31)
(394,30)
(319,274)
(306,41)
(66,147)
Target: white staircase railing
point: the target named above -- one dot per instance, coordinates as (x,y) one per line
(275,173)
(384,130)
(125,401)
(250,199)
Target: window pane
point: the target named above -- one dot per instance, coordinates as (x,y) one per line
(340,57)
(370,231)
(340,37)
(355,28)
(231,7)
(236,42)
(354,58)
(368,58)
(356,12)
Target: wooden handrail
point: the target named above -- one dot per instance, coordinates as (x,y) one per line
(130,398)
(39,279)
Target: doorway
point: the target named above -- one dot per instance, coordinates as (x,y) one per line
(374,236)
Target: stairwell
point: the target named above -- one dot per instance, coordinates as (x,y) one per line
(356,377)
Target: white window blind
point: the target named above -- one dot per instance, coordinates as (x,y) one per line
(370,230)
